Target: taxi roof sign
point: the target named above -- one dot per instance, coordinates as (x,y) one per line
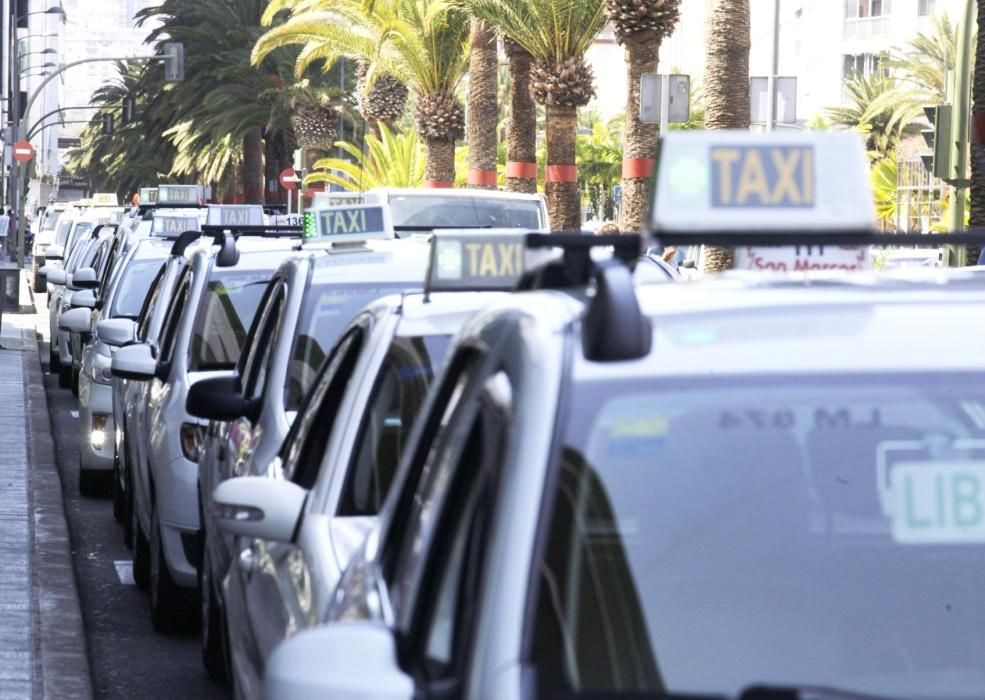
(721,181)
(347,223)
(468,261)
(105,199)
(174,225)
(148,195)
(235,215)
(180,194)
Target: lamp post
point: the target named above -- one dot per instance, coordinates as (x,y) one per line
(56,10)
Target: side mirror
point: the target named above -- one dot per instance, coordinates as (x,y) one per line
(218,398)
(134,362)
(56,276)
(75,320)
(85,299)
(340,661)
(690,264)
(54,252)
(86,278)
(255,506)
(116,332)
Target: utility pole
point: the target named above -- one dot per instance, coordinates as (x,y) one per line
(959,128)
(774,69)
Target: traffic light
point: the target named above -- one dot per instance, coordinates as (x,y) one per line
(174,61)
(107,125)
(129,109)
(938,138)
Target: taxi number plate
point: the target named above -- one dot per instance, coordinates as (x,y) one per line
(938,503)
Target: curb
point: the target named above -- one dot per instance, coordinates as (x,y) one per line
(62,661)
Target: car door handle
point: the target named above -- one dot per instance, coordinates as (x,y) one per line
(247,561)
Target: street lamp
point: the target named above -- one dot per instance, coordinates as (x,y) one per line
(35,53)
(57,10)
(49,64)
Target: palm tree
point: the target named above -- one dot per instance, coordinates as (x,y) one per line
(391,160)
(483,110)
(881,108)
(640,26)
(926,59)
(977,190)
(557,35)
(421,43)
(726,86)
(521,130)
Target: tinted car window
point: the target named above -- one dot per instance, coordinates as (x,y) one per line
(404,379)
(64,227)
(426,212)
(326,311)
(810,530)
(50,220)
(225,314)
(133,287)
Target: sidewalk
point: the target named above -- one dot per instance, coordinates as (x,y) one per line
(42,637)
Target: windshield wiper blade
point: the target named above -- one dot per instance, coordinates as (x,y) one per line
(805,692)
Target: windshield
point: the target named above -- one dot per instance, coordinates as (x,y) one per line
(225,314)
(50,220)
(79,233)
(803,531)
(425,212)
(61,236)
(133,287)
(327,310)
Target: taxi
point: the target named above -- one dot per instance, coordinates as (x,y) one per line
(212,306)
(341,267)
(686,490)
(339,459)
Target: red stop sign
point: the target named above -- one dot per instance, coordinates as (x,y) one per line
(23,151)
(288,180)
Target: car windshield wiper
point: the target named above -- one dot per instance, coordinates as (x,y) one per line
(805,692)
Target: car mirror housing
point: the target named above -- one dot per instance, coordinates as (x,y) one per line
(255,506)
(75,320)
(54,252)
(56,276)
(86,278)
(218,398)
(116,332)
(134,362)
(85,299)
(351,660)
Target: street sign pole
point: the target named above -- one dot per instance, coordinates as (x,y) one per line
(774,70)
(664,103)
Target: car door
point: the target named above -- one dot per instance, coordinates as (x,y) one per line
(270,611)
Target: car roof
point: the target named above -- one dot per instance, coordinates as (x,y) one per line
(257,257)
(455,193)
(440,313)
(152,249)
(381,261)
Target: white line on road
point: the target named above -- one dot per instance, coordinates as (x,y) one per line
(124,571)
(75,414)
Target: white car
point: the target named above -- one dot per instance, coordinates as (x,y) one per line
(210,311)
(341,456)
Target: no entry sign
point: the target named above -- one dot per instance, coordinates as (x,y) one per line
(23,151)
(288,180)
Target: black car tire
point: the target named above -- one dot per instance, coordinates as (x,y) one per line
(75,381)
(64,376)
(38,284)
(141,552)
(168,603)
(88,481)
(119,507)
(127,497)
(211,624)
(54,361)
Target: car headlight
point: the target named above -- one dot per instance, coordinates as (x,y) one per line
(192,439)
(104,375)
(97,431)
(102,369)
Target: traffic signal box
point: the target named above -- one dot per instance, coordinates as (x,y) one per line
(938,138)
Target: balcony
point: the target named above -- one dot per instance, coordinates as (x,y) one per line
(866,27)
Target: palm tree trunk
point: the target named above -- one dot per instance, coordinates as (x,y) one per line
(253,166)
(439,162)
(521,135)
(561,189)
(977,193)
(483,111)
(271,171)
(639,140)
(727,43)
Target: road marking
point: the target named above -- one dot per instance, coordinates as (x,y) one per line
(75,414)
(124,571)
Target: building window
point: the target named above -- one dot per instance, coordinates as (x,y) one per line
(925,8)
(866,64)
(861,9)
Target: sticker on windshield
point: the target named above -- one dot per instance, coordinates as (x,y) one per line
(938,502)
(637,437)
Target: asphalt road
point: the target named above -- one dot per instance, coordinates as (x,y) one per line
(128,658)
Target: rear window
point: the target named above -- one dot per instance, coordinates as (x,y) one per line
(224,317)
(327,310)
(134,286)
(431,211)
